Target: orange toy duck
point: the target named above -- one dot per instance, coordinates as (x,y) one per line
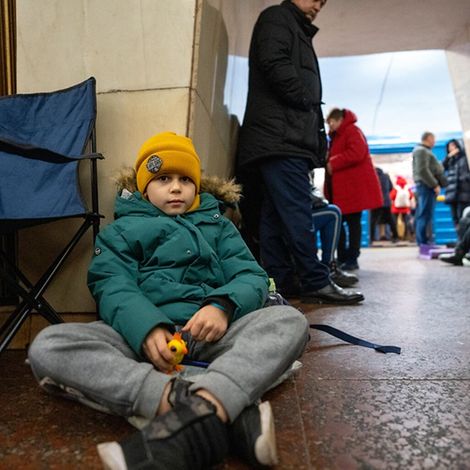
(178,347)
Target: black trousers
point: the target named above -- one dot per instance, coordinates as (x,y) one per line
(349,246)
(457,208)
(287,241)
(382,215)
(463,232)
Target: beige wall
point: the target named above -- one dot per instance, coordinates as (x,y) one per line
(159,65)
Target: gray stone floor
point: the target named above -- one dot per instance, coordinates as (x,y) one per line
(347,408)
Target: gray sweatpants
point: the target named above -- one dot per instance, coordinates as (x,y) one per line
(92,363)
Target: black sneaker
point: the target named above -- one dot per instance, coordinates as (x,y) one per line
(190,436)
(454,259)
(253,437)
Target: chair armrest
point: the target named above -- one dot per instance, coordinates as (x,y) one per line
(40,153)
(90,156)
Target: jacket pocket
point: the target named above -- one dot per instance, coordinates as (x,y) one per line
(301,128)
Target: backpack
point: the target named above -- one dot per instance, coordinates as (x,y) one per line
(402,198)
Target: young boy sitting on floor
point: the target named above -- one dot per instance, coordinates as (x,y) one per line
(170,261)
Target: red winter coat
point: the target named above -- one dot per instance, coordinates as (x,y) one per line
(353,184)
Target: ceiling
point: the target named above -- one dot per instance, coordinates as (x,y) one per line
(355,27)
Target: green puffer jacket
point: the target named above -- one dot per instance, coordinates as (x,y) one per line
(152,269)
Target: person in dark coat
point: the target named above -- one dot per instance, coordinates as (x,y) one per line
(457,193)
(460,256)
(282,138)
(352,183)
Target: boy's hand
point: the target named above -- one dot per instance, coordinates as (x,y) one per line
(156,349)
(208,324)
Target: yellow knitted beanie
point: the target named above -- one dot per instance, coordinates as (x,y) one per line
(168,153)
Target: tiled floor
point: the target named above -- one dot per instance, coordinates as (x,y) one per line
(347,408)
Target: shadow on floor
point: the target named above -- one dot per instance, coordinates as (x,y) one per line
(347,408)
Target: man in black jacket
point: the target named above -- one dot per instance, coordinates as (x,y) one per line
(281,140)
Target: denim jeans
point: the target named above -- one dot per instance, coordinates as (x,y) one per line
(424,212)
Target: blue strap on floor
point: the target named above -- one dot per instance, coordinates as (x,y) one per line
(327,329)
(357,341)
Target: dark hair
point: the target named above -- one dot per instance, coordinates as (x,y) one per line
(456,143)
(335,114)
(426,135)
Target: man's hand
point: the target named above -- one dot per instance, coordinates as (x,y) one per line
(437,190)
(156,349)
(208,324)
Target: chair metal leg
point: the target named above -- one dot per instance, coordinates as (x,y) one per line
(12,325)
(39,303)
(33,299)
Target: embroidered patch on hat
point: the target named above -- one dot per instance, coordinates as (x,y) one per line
(154,163)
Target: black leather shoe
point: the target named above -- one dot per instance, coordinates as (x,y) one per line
(340,277)
(452,259)
(332,294)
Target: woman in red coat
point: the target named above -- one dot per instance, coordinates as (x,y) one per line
(351,182)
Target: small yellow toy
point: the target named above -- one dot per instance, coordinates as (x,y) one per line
(178,347)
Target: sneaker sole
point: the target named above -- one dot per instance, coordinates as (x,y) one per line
(111,456)
(265,446)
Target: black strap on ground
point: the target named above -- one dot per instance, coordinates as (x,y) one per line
(353,340)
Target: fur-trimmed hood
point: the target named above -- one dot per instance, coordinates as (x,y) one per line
(225,190)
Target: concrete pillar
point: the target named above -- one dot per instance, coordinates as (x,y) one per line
(210,124)
(222,27)
(159,65)
(458,58)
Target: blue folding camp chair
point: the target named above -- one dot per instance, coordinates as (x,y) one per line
(43,139)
